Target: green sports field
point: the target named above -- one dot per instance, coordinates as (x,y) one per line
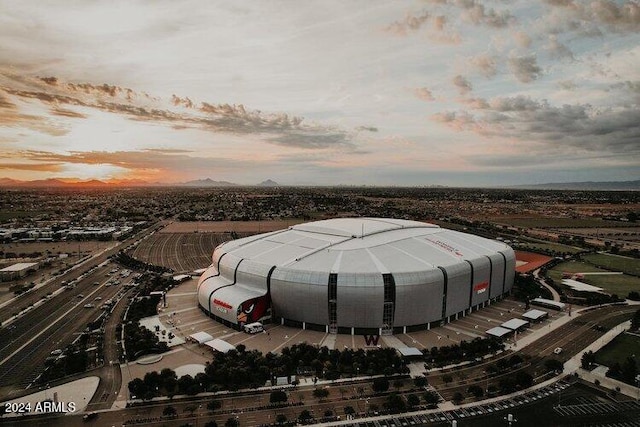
(622,346)
(615,263)
(620,284)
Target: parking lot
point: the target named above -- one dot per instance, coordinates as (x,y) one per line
(570,404)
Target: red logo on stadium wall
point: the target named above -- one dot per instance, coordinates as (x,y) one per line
(253,310)
(481,287)
(222,304)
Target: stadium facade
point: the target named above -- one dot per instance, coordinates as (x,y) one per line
(355,275)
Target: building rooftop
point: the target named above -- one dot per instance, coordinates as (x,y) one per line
(19,266)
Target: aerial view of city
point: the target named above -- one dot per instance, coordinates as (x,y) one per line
(368,213)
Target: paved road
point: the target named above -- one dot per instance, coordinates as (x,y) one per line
(110,374)
(540,279)
(572,336)
(252,409)
(28,341)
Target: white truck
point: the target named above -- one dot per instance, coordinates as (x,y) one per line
(253,328)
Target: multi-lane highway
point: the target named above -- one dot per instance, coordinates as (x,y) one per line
(26,342)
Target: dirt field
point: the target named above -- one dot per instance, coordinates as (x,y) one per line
(55,247)
(530,261)
(181,252)
(628,234)
(228,226)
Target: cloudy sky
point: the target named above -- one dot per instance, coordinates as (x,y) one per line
(449,92)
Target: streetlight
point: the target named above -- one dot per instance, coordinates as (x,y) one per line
(486,386)
(510,419)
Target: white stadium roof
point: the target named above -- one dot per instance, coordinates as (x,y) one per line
(362,245)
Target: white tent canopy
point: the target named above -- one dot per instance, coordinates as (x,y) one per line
(220,345)
(499,332)
(514,324)
(535,314)
(201,337)
(409,351)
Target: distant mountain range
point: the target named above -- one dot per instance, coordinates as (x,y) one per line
(586,185)
(208,182)
(94,183)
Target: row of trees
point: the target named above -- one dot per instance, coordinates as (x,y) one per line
(625,372)
(139,341)
(465,351)
(135,264)
(241,368)
(143,307)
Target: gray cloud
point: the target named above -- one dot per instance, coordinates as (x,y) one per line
(138,160)
(312,140)
(278,128)
(567,84)
(485,64)
(621,17)
(556,49)
(367,128)
(409,24)
(424,94)
(463,85)
(478,14)
(525,68)
(566,127)
(522,39)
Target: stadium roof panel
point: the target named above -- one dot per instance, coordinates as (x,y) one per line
(358,227)
(368,245)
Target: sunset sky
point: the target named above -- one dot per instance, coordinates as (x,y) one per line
(442,92)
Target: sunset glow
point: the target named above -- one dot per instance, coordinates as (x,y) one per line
(473,92)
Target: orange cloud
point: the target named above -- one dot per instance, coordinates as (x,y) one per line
(39,167)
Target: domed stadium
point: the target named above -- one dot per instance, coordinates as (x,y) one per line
(355,276)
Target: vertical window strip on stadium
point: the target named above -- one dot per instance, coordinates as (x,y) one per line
(471,285)
(332,299)
(490,276)
(273,315)
(504,271)
(444,292)
(388,310)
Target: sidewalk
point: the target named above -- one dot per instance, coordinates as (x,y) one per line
(78,392)
(574,364)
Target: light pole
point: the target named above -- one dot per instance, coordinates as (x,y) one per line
(510,420)
(486,388)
